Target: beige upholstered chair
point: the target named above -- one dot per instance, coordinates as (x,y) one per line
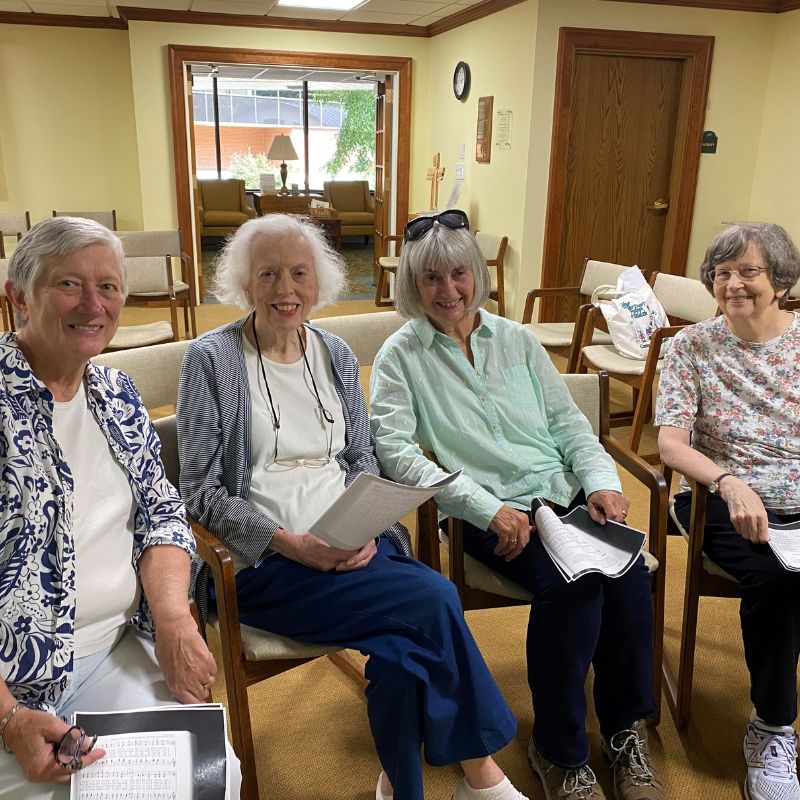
(166,244)
(147,277)
(107,218)
(13,225)
(493,249)
(481,587)
(563,338)
(354,205)
(686,301)
(223,206)
(703,579)
(6,308)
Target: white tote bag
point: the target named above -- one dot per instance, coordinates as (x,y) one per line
(632,313)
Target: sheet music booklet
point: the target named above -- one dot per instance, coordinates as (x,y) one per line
(784,539)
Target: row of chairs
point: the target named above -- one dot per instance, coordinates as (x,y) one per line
(15,225)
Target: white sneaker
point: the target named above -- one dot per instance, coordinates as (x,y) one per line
(771,756)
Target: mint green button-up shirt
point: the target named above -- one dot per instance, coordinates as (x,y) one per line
(508,421)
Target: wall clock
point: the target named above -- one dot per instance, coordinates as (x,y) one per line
(461,79)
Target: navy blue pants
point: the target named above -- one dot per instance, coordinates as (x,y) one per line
(769,610)
(429,685)
(595,620)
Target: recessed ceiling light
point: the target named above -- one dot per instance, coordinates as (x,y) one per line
(326,5)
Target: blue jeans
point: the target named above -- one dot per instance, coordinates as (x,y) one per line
(605,622)
(428,684)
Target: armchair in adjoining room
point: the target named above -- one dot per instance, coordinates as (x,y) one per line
(223,206)
(354,204)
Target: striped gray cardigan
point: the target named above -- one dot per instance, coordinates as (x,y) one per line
(214,416)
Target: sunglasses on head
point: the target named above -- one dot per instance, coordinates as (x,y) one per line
(453,218)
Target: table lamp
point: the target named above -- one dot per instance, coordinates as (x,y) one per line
(282,150)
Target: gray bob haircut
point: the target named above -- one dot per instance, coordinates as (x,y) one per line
(57,237)
(781,257)
(440,249)
(235,264)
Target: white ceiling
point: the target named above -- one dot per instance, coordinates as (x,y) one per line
(396,12)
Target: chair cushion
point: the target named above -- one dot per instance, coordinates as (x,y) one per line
(356,218)
(222,219)
(389,262)
(708,565)
(128,336)
(260,645)
(559,334)
(604,356)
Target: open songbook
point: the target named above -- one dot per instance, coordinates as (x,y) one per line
(368,507)
(784,539)
(161,753)
(579,545)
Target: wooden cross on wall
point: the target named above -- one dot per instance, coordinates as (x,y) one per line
(435,175)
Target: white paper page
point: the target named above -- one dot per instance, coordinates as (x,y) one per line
(785,543)
(368,507)
(138,766)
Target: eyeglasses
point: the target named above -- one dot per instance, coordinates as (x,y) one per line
(327,417)
(744,273)
(453,218)
(72,748)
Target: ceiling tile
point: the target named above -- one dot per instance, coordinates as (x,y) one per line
(429,19)
(253,9)
(75,9)
(172,5)
(13,5)
(304,13)
(405,7)
(381,17)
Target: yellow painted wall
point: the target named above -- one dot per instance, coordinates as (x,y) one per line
(148,48)
(736,100)
(67,128)
(499,50)
(775,192)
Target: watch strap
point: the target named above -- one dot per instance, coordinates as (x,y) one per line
(713,487)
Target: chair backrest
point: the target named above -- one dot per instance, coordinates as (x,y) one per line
(13,225)
(151,243)
(148,274)
(364,333)
(684,298)
(491,245)
(346,195)
(587,396)
(3,275)
(154,370)
(599,273)
(107,218)
(222,194)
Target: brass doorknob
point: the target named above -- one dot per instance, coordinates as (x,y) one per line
(658,205)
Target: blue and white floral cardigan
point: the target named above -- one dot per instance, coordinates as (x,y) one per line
(37,556)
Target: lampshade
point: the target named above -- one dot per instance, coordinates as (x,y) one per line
(282,149)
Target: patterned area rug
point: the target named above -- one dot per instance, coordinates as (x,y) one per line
(359,259)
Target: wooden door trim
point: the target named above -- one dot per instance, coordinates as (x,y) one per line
(178,55)
(695,52)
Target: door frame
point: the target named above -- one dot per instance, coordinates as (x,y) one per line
(179,55)
(695,52)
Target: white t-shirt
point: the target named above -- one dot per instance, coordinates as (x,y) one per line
(107,587)
(291,492)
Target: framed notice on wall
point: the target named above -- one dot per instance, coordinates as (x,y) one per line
(483,141)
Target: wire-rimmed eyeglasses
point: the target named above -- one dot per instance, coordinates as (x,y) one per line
(453,218)
(744,273)
(72,748)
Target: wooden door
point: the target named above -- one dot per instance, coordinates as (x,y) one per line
(383,166)
(626,146)
(196,277)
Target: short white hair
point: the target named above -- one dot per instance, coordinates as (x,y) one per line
(235,264)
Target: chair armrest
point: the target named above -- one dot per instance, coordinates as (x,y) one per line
(428,535)
(218,558)
(550,291)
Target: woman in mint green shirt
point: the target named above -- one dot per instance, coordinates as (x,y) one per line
(481,393)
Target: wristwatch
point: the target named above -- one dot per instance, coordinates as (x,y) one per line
(713,487)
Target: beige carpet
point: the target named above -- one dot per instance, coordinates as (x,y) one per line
(310,724)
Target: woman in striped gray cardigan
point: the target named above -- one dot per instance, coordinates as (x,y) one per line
(272,427)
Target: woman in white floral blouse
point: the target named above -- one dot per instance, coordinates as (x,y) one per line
(729,411)
(94,546)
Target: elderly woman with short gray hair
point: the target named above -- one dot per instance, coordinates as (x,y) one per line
(729,410)
(272,426)
(480,392)
(94,546)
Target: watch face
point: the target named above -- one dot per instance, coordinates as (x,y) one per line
(461,78)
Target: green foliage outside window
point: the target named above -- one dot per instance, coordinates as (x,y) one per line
(249,166)
(355,141)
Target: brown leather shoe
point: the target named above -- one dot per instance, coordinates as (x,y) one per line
(634,776)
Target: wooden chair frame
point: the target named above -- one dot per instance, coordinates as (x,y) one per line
(382,298)
(499,296)
(472,598)
(699,583)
